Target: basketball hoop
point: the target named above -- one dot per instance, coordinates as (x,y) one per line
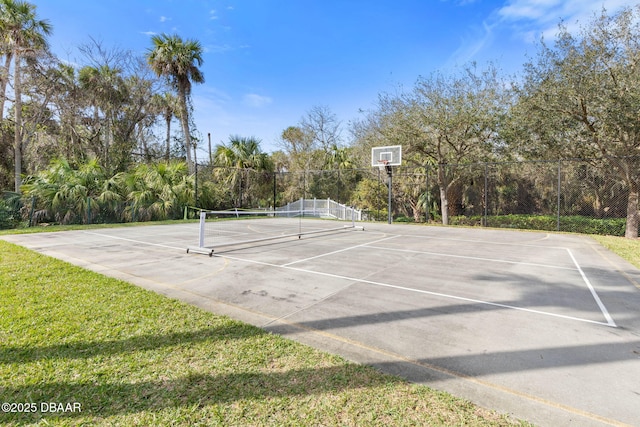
(385,166)
(382,164)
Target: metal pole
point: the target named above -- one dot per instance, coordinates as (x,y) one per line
(203,219)
(32,210)
(88,210)
(427,201)
(559,183)
(196,189)
(275,183)
(486,194)
(379,198)
(390,175)
(195,162)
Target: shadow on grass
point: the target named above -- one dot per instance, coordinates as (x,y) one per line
(84,349)
(197,390)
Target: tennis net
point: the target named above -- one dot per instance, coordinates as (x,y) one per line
(219,229)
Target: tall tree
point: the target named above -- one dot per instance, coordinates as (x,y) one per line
(239,156)
(167,105)
(443,121)
(581,97)
(107,89)
(22,35)
(178,60)
(323,127)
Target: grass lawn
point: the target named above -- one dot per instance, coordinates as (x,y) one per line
(627,248)
(114,354)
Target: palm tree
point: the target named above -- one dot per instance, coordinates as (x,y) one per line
(66,95)
(238,156)
(22,34)
(178,60)
(167,105)
(106,87)
(157,191)
(67,194)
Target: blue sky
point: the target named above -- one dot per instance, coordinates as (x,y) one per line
(266,63)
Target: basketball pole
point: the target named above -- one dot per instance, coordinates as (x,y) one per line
(390,182)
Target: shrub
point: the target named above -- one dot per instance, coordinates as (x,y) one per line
(576,224)
(10,205)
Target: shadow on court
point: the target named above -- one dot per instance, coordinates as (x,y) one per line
(543,326)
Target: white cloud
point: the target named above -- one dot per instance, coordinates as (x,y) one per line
(535,18)
(213,15)
(257,101)
(164,19)
(527,21)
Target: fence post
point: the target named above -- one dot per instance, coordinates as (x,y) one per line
(559,184)
(196,178)
(486,194)
(275,188)
(88,210)
(428,195)
(31,212)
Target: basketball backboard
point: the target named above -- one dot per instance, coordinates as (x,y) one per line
(390,155)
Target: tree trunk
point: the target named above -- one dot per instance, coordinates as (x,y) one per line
(444,201)
(633,216)
(4,79)
(17,145)
(167,153)
(184,120)
(107,141)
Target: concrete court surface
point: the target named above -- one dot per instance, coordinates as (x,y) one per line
(543,326)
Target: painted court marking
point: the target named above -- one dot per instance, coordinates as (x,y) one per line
(609,320)
(288,266)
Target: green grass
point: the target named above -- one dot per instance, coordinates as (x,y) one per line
(132,357)
(628,249)
(58,227)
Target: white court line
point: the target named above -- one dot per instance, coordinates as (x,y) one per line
(134,241)
(470,257)
(438,294)
(603,309)
(338,251)
(419,291)
(610,321)
(527,245)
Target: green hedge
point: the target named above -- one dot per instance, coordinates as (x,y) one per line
(10,205)
(576,224)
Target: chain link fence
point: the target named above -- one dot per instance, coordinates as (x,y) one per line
(567,195)
(585,196)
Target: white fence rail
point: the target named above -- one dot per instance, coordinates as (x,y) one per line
(323,208)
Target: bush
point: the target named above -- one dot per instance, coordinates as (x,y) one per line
(403,218)
(576,224)
(10,205)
